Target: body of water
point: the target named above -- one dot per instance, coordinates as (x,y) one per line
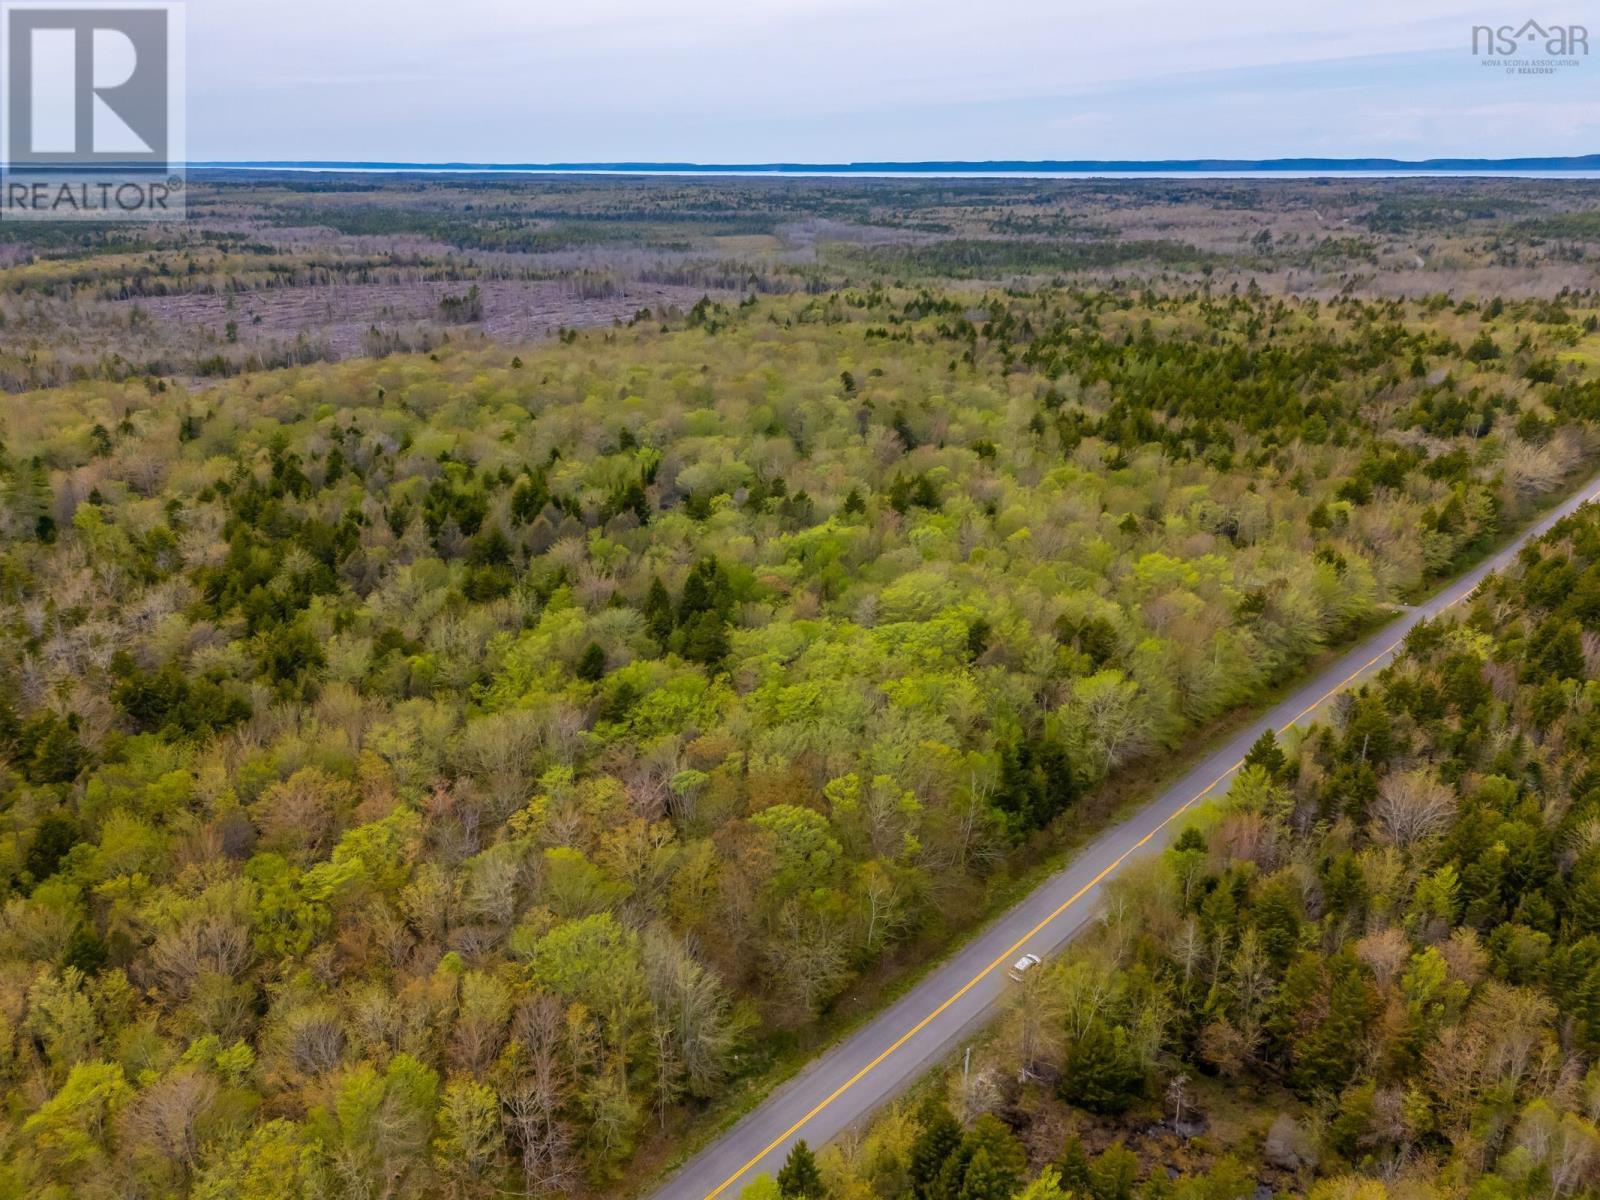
(821,173)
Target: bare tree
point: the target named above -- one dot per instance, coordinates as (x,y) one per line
(313,1039)
(534,1083)
(203,943)
(299,813)
(1178,1097)
(808,959)
(1034,1022)
(1386,953)
(502,752)
(163,1116)
(1411,807)
(1567,1145)
(480,1028)
(693,1010)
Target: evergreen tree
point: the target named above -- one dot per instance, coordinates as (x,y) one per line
(658,619)
(1074,1168)
(985,1179)
(592,665)
(705,639)
(1100,1073)
(1267,754)
(995,1161)
(938,1141)
(799,1179)
(1327,1057)
(978,637)
(1036,782)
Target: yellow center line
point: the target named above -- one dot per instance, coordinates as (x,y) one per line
(1065,904)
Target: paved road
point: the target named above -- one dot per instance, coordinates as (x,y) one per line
(891,1051)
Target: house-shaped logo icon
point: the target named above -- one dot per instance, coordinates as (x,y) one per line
(1530,38)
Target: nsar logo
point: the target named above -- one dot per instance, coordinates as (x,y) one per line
(1530,48)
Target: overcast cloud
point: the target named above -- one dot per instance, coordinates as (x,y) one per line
(828,80)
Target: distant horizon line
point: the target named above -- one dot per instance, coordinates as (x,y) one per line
(1579,162)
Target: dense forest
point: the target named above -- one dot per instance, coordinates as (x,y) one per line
(1377,962)
(424,776)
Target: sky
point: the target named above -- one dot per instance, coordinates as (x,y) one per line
(852,80)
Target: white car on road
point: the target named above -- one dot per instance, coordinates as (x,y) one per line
(1022,966)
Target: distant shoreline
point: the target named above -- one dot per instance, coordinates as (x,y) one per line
(1574,167)
(1057,176)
